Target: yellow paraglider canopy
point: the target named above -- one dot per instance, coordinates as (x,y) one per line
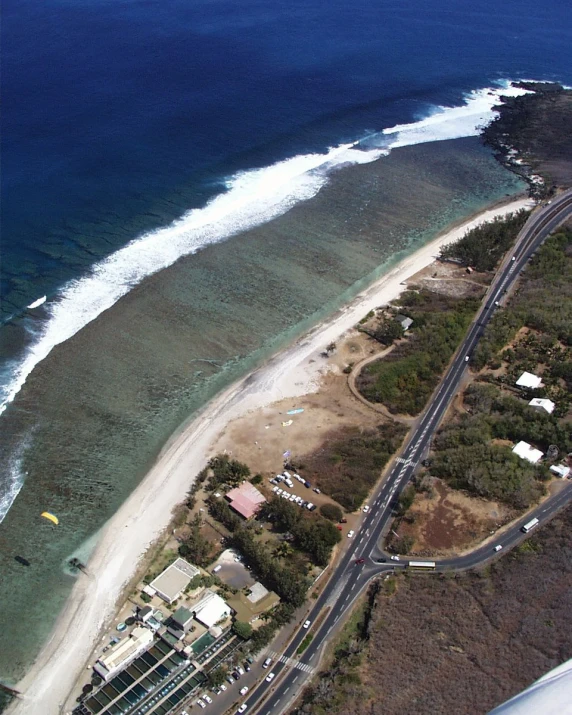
(50,517)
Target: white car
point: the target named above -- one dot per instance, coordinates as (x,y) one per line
(466,358)
(222,686)
(242,708)
(365,509)
(513,259)
(395,558)
(270,677)
(351,532)
(202,705)
(306,624)
(207,698)
(267,662)
(498,547)
(244,690)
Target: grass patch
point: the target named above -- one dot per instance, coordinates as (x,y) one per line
(304,644)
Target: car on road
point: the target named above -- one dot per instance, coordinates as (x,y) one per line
(201,704)
(381,560)
(498,547)
(467,358)
(360,561)
(395,558)
(351,532)
(207,698)
(366,509)
(267,662)
(270,677)
(306,624)
(242,708)
(244,690)
(513,258)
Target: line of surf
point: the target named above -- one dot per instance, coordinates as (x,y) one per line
(252,197)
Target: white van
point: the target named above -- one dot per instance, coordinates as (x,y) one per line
(217,568)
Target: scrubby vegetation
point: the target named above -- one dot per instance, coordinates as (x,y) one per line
(350,461)
(543,303)
(483,247)
(404,380)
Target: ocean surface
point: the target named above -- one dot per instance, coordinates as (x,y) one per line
(189,185)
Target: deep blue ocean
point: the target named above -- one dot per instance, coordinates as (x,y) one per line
(135,132)
(119,115)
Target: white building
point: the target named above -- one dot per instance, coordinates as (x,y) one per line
(560,470)
(404,321)
(174,580)
(525,451)
(527,379)
(210,609)
(122,653)
(539,403)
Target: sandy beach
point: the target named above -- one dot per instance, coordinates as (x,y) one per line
(126,537)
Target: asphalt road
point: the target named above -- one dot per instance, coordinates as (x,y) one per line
(349,579)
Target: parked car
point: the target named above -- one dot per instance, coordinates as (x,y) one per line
(267,662)
(344,520)
(351,532)
(200,703)
(270,677)
(244,690)
(239,670)
(242,708)
(235,675)
(223,687)
(229,679)
(366,509)
(317,490)
(207,698)
(306,624)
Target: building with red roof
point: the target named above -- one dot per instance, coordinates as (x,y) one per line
(246,500)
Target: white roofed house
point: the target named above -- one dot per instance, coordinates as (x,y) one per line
(404,321)
(210,609)
(530,381)
(171,583)
(525,451)
(540,403)
(124,652)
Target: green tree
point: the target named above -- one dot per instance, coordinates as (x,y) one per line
(195,547)
(242,630)
(217,676)
(331,512)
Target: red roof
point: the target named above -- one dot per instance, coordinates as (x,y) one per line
(245,499)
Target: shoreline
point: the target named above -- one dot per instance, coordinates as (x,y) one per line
(144,516)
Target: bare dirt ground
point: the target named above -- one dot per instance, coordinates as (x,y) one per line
(447,520)
(463,645)
(451,280)
(259,438)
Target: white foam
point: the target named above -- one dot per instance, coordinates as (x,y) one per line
(452,122)
(252,198)
(15,478)
(37,303)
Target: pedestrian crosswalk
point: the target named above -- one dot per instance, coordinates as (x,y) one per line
(290,662)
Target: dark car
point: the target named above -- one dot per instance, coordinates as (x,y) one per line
(343,521)
(360,561)
(246,666)
(381,560)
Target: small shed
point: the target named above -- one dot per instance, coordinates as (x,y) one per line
(560,470)
(540,403)
(404,321)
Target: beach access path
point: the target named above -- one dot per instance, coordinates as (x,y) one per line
(123,542)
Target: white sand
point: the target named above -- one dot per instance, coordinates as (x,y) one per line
(146,513)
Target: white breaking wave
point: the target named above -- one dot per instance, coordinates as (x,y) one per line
(253,197)
(452,122)
(37,303)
